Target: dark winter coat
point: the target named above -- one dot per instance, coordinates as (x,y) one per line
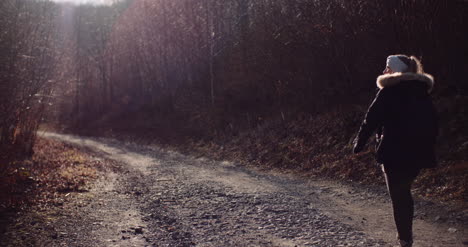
(403,110)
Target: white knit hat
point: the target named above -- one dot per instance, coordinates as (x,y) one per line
(395,64)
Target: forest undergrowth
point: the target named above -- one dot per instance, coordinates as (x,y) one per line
(55,170)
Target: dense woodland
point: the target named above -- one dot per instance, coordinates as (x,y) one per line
(216,70)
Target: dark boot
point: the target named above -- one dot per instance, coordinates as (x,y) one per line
(404,243)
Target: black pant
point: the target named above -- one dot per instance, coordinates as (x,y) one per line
(399,187)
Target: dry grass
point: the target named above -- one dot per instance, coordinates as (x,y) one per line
(55,168)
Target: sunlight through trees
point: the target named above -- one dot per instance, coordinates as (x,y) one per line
(209,67)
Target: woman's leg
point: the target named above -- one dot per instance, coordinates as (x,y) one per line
(399,188)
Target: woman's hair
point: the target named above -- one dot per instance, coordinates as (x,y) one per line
(414,65)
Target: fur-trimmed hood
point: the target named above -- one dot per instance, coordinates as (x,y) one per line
(393,79)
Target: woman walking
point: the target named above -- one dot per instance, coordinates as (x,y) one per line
(403,115)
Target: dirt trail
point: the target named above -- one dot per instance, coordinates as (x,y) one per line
(162,198)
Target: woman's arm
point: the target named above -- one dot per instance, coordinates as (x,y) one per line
(373,120)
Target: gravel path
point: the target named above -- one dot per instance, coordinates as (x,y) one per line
(161,198)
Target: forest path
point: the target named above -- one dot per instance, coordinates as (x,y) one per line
(163,198)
